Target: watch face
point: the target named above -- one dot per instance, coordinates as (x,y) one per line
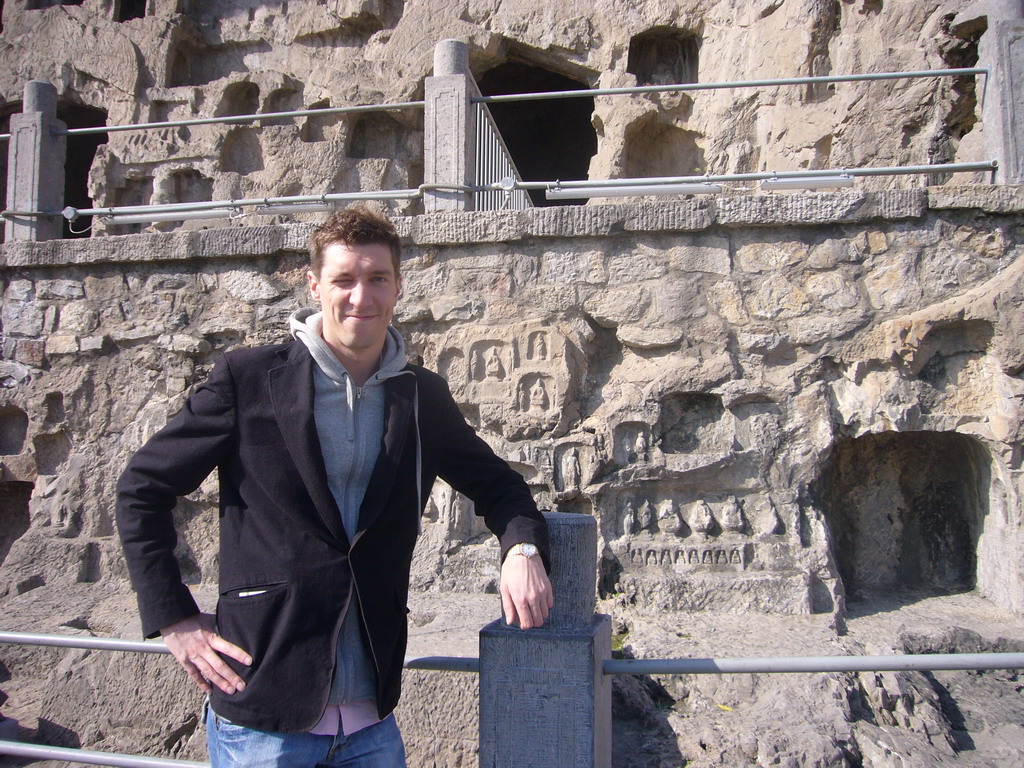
(528,549)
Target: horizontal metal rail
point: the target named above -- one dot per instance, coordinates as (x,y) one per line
(251,118)
(796,664)
(84,642)
(537,96)
(433,663)
(788,664)
(387,194)
(895,170)
(591,92)
(402,194)
(92,757)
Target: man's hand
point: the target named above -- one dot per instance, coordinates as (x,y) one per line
(195,645)
(526,595)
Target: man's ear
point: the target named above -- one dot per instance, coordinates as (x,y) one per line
(401,285)
(314,284)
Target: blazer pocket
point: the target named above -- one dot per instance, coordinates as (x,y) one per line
(247,616)
(253,594)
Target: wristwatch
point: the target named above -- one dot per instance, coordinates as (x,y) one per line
(526,550)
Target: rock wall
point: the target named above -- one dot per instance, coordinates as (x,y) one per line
(117,62)
(772,405)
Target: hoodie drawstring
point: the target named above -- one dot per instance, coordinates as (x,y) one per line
(419,450)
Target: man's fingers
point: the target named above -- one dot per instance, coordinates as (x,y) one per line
(196,675)
(526,616)
(508,607)
(221,645)
(196,646)
(525,591)
(218,673)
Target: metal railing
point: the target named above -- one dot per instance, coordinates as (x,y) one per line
(497,184)
(495,172)
(776,665)
(649,185)
(810,80)
(236,119)
(535,96)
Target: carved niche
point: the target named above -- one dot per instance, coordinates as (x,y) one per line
(519,377)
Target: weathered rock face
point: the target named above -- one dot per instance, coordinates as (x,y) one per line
(772,406)
(118,63)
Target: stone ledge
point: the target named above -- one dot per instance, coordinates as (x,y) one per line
(457,228)
(995,198)
(847,206)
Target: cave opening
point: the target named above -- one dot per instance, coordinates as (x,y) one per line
(14,513)
(130,9)
(81,151)
(549,140)
(907,513)
(663,56)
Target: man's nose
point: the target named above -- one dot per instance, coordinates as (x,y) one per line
(359,295)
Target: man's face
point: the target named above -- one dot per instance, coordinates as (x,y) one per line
(358,289)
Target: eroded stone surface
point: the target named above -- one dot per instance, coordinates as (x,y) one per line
(770,424)
(178,61)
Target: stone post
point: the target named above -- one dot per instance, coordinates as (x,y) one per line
(544,700)
(35,165)
(449,128)
(1001,50)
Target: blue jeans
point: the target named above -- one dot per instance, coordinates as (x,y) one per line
(235,746)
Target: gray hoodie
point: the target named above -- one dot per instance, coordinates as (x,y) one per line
(350,425)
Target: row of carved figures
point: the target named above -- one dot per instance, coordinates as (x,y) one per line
(697,517)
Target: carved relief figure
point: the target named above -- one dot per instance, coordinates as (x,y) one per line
(641,446)
(538,347)
(538,397)
(669,520)
(571,470)
(629,519)
(543,460)
(60,517)
(769,522)
(732,516)
(645,518)
(701,518)
(492,365)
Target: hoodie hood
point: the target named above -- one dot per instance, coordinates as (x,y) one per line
(307,326)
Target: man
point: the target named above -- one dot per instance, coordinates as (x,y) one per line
(327,448)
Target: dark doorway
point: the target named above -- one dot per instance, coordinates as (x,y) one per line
(131,9)
(5,127)
(80,154)
(905,511)
(14,513)
(664,56)
(549,140)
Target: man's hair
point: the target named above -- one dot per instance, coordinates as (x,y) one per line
(357,225)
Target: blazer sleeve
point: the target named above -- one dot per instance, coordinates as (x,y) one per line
(174,462)
(467,463)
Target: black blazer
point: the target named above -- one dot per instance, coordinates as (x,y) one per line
(281,531)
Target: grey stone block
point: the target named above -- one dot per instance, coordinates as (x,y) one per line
(544,701)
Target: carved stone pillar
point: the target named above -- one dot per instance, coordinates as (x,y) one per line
(35,166)
(544,700)
(449,128)
(1001,50)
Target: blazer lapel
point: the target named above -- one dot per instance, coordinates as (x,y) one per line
(291,396)
(398,415)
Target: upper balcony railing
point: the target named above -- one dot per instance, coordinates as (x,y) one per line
(467,165)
